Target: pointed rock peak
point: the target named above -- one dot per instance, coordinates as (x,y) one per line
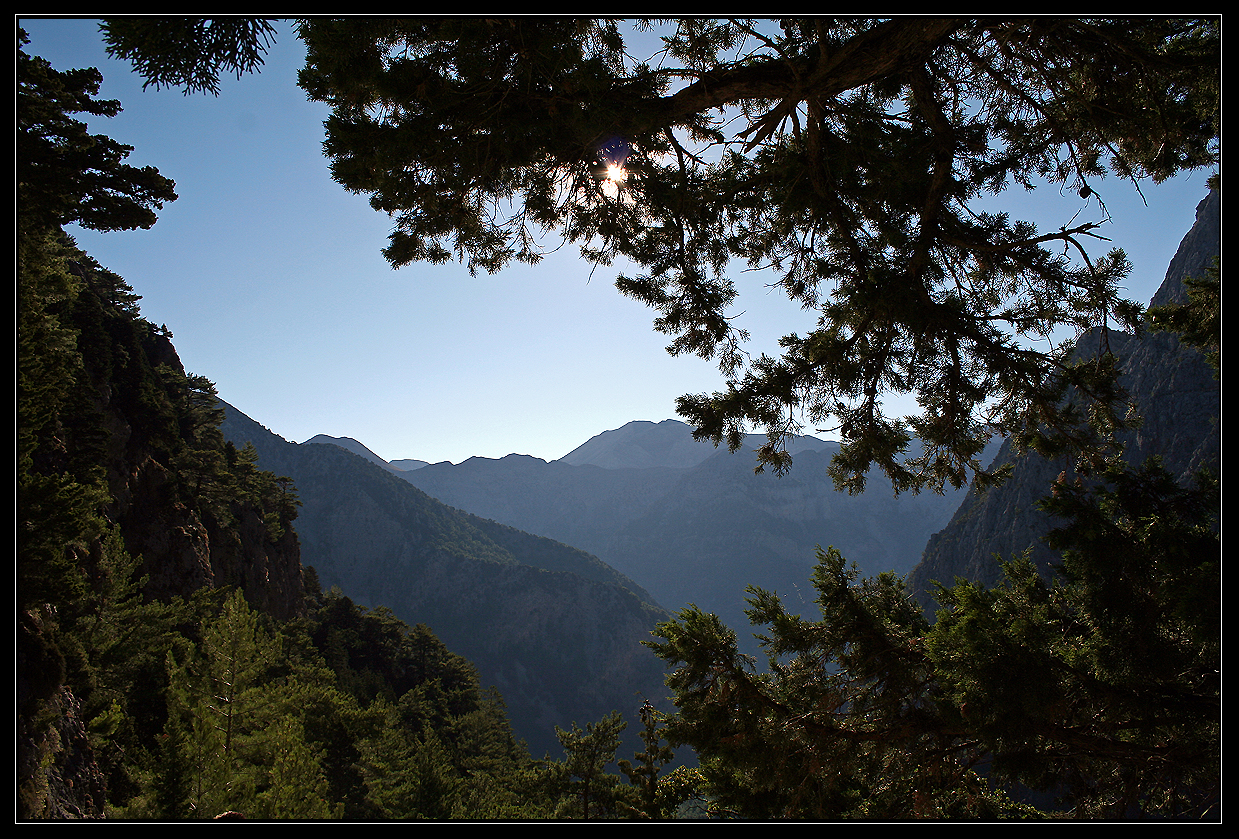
(1195,253)
(642,444)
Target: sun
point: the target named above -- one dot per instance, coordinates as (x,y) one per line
(616,173)
(612,180)
(608,167)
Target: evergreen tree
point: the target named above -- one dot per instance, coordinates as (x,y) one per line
(1100,688)
(64,173)
(436,788)
(189,52)
(173,786)
(252,725)
(844,153)
(297,788)
(644,775)
(586,754)
(219,697)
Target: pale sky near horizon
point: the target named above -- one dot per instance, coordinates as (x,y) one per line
(269,275)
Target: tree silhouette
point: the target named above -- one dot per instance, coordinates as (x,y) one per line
(845,154)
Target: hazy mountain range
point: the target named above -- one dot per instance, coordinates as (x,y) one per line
(688,522)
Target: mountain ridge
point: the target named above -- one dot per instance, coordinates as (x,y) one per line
(556,630)
(639,444)
(700,527)
(349,445)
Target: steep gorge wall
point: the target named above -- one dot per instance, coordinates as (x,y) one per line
(1177,395)
(112,451)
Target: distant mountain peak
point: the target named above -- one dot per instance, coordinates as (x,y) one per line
(350,445)
(643,444)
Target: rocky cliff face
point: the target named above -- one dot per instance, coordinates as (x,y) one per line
(184,549)
(140,420)
(115,440)
(1178,398)
(186,545)
(62,780)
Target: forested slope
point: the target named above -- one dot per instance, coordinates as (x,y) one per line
(174,659)
(557,631)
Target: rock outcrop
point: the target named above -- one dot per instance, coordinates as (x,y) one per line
(1177,395)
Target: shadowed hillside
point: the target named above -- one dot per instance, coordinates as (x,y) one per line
(557,631)
(701,527)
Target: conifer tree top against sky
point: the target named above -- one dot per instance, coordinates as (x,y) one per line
(851,162)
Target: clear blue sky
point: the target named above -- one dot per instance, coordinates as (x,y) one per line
(269,276)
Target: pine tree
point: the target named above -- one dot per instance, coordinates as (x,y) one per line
(224,704)
(65,174)
(586,754)
(173,789)
(845,154)
(297,788)
(1099,688)
(189,52)
(644,775)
